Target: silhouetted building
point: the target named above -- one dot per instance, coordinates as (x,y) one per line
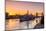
(6,15)
(36,14)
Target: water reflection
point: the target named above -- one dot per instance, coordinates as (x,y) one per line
(12,24)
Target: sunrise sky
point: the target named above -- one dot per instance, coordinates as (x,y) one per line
(21,8)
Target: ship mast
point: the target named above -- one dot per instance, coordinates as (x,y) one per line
(27,12)
(27,21)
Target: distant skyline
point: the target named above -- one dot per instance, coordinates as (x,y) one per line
(21,7)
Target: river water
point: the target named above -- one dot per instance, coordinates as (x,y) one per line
(13,24)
